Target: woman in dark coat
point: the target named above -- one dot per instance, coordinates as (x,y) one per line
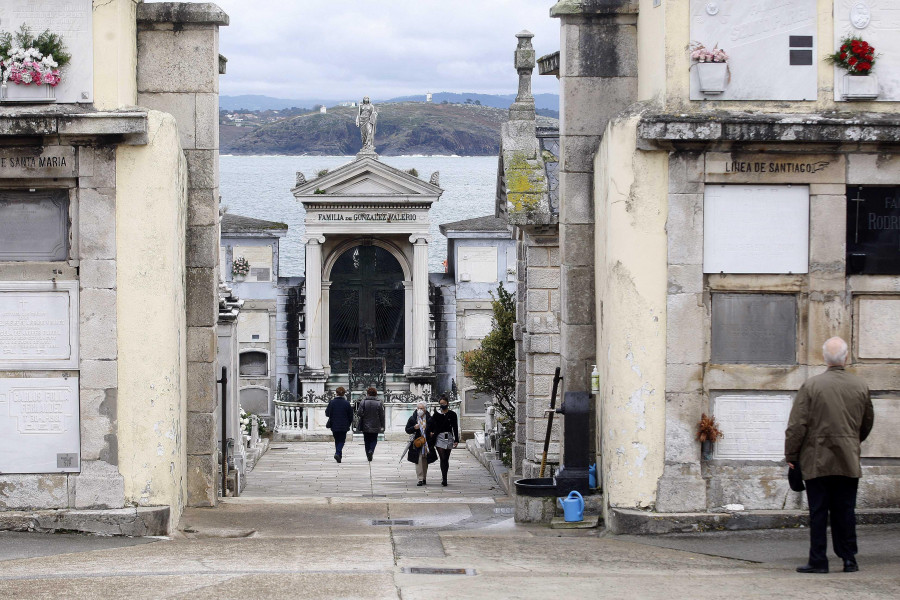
(340,417)
(420,425)
(371,420)
(445,425)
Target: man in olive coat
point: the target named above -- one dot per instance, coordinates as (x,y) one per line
(831,415)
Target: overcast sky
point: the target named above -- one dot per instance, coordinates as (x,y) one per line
(344,49)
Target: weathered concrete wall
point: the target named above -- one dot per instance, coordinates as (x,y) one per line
(115,53)
(152,336)
(652,50)
(631,211)
(178,72)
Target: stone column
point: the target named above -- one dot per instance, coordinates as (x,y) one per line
(420,304)
(314,303)
(408,325)
(174,37)
(326,323)
(598,79)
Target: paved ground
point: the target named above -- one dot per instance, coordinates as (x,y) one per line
(309,470)
(312,530)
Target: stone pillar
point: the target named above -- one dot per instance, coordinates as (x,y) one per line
(313,375)
(598,79)
(326,324)
(420,304)
(408,325)
(182,37)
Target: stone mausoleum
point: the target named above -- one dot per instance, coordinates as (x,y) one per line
(108,269)
(713,232)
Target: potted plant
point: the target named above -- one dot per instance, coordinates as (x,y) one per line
(712,68)
(708,433)
(239,268)
(30,66)
(857,57)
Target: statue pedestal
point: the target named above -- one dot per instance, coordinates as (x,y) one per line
(367,153)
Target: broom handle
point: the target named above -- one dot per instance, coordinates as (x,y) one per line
(551,412)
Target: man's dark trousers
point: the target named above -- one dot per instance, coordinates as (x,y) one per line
(834,495)
(370,440)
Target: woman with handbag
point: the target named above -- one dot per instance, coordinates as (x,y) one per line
(421,449)
(340,415)
(445,424)
(371,420)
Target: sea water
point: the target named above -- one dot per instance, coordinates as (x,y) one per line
(260,187)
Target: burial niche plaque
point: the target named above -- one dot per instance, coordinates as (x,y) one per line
(754,329)
(34,225)
(478,264)
(38,324)
(756,229)
(753,425)
(39,425)
(873,230)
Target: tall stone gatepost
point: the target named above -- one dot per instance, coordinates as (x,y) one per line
(178,72)
(526,195)
(598,76)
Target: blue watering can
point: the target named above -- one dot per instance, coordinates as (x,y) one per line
(573,507)
(592,476)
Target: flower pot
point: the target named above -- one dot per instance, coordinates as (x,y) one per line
(238,277)
(13,92)
(860,87)
(706,449)
(713,77)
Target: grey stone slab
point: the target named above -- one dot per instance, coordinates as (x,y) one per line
(186,60)
(34,225)
(754,328)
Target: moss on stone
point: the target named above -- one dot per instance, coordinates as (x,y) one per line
(525,183)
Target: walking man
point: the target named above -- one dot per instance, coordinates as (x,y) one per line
(831,415)
(340,417)
(371,420)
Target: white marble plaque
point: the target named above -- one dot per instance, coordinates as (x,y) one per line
(756,229)
(478,325)
(39,425)
(72,20)
(877,22)
(771,44)
(253,327)
(223,263)
(38,325)
(753,425)
(260,259)
(879,328)
(477,264)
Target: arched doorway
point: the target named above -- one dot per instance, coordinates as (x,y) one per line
(366,308)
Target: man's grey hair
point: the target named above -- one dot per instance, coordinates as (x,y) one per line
(421,405)
(834,350)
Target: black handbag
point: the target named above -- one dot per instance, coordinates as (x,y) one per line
(795,478)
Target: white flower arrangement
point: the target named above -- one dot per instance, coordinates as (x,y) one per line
(240,266)
(29,60)
(702,54)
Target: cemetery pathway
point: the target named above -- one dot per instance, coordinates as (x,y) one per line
(308,470)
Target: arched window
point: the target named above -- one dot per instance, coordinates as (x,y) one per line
(254,363)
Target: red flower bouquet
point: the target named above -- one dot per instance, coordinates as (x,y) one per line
(856,56)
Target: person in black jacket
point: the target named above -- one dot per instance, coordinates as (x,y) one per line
(420,425)
(371,420)
(445,425)
(340,416)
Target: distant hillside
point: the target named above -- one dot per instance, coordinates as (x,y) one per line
(541,101)
(403,128)
(257,102)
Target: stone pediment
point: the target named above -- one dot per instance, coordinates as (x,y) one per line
(366,177)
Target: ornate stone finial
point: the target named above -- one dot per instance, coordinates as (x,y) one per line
(366,119)
(301,178)
(435,178)
(524,61)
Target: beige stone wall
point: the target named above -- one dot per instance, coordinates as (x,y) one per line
(630,269)
(678,64)
(150,229)
(115,53)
